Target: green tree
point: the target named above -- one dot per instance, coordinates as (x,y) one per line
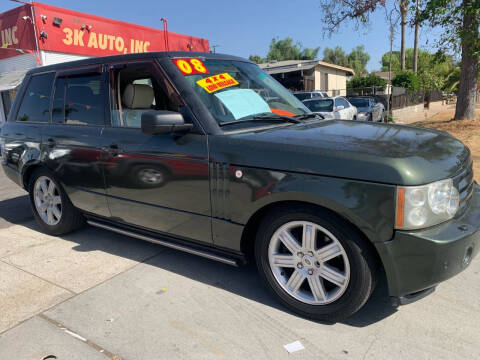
(286,49)
(406,79)
(357,59)
(426,60)
(335,56)
(257,59)
(460,20)
(430,80)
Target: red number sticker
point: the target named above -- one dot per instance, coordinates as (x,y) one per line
(191,66)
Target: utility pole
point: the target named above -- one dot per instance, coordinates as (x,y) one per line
(403,23)
(214,47)
(415,46)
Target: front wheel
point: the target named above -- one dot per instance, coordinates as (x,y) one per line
(317,265)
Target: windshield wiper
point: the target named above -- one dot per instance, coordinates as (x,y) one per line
(310,116)
(267,117)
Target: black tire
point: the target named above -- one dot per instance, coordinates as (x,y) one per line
(71,219)
(363,265)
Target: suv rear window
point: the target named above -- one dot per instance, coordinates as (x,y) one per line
(35,105)
(79,100)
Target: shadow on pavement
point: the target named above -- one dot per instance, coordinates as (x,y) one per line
(243,281)
(15,211)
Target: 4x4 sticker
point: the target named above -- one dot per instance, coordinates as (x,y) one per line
(217,82)
(191,66)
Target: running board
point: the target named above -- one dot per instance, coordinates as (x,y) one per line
(170,244)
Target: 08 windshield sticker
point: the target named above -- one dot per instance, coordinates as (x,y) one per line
(191,66)
(217,82)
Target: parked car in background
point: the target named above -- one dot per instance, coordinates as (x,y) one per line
(368,109)
(332,108)
(208,154)
(305,95)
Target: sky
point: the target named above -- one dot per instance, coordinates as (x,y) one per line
(246,27)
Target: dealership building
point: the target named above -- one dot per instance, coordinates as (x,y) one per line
(37,34)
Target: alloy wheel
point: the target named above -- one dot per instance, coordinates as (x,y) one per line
(309,262)
(48,201)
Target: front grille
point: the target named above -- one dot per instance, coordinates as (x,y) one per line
(464,183)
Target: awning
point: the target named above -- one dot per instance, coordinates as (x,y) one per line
(11,80)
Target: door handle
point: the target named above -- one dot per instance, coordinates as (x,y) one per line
(51,143)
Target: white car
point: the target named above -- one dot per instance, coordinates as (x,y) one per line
(332,108)
(306,95)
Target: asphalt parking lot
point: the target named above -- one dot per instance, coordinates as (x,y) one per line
(98,295)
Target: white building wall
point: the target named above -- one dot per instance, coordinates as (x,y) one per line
(50,57)
(19,62)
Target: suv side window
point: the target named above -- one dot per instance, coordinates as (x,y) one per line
(79,100)
(137,89)
(35,105)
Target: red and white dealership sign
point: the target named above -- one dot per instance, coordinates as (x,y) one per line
(72,32)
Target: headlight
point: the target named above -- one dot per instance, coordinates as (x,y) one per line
(419,207)
(362,114)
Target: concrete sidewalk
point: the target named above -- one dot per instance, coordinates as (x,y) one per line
(98,295)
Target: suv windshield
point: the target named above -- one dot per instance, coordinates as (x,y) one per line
(320,105)
(234,90)
(359,102)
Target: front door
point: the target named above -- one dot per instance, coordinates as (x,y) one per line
(157,182)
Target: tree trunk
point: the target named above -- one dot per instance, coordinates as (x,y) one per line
(415,45)
(467,91)
(403,23)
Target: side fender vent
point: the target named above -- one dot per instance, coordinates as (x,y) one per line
(220,190)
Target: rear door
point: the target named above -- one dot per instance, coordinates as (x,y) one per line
(73,142)
(158,182)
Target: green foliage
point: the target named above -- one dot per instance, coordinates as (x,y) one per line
(433,69)
(357,59)
(335,56)
(286,49)
(406,79)
(372,80)
(256,59)
(430,80)
(426,60)
(450,16)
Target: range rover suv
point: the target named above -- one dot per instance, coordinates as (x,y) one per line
(208,154)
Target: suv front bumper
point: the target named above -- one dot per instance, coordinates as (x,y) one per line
(419,260)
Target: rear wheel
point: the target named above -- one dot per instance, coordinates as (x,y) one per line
(316,264)
(51,207)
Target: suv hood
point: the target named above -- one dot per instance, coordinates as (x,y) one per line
(392,154)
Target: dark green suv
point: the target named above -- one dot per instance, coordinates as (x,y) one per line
(208,154)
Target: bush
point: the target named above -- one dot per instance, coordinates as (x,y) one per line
(406,79)
(359,82)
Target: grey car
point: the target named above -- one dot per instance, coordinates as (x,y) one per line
(368,108)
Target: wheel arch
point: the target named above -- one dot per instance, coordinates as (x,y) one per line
(27,171)
(247,241)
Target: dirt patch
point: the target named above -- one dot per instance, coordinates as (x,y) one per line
(467,131)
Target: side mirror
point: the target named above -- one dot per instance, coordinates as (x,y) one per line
(163,122)
(340,107)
